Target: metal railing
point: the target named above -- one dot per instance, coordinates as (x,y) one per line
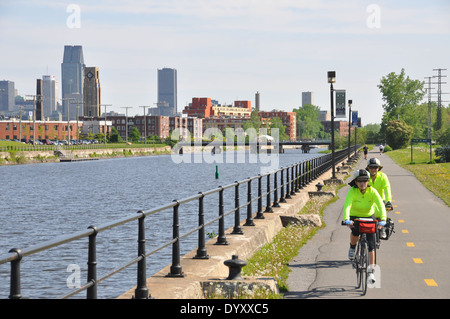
(286,181)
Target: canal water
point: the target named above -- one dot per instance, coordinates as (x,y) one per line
(42,201)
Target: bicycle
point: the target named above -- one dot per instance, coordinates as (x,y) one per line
(361,260)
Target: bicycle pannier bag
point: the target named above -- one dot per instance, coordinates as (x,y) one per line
(389,228)
(365,227)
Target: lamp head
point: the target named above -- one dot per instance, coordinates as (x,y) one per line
(331,76)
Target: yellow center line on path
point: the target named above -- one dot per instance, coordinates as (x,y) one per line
(401,221)
(405,231)
(410,244)
(418,260)
(431,282)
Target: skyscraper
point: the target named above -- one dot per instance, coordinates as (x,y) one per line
(7,96)
(91,92)
(72,78)
(307,98)
(167,92)
(50,94)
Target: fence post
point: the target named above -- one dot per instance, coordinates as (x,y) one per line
(259,214)
(175,268)
(288,182)
(15,275)
(275,190)
(249,220)
(293,180)
(201,251)
(282,198)
(221,239)
(268,205)
(237,229)
(141,291)
(92,264)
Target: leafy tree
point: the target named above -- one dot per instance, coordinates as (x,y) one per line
(308,122)
(114,136)
(134,134)
(398,134)
(276,122)
(401,96)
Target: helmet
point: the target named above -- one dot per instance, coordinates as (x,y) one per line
(361,173)
(374,162)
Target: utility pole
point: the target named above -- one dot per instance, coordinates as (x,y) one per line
(68,116)
(105,127)
(439,99)
(126,121)
(429,105)
(145,124)
(34,117)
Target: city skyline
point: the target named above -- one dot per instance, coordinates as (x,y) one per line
(229,50)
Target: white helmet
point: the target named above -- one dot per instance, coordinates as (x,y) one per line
(374,162)
(361,173)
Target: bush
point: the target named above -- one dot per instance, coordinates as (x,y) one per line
(398,134)
(444,153)
(387,148)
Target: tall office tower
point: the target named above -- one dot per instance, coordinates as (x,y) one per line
(307,98)
(72,77)
(167,92)
(257,101)
(39,98)
(91,92)
(7,96)
(50,94)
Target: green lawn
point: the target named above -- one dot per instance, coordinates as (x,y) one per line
(435,177)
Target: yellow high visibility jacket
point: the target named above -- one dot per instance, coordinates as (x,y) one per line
(382,185)
(363,205)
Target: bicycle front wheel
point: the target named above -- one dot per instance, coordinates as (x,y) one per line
(364,263)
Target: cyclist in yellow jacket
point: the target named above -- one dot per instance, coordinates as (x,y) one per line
(362,201)
(380,182)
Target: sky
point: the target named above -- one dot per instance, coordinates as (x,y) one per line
(229,50)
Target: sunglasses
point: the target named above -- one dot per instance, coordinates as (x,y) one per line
(362,180)
(373,167)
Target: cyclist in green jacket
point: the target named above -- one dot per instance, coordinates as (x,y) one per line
(361,201)
(380,182)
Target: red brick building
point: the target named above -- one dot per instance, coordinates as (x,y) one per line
(14,129)
(200,107)
(289,119)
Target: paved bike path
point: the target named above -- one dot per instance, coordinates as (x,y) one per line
(413,263)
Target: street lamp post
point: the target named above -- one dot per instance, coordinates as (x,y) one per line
(349,125)
(331,80)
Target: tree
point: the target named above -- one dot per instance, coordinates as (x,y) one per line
(114,136)
(401,97)
(277,123)
(398,134)
(308,122)
(134,134)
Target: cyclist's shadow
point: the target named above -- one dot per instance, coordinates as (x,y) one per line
(326,292)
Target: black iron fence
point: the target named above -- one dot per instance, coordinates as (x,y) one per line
(281,185)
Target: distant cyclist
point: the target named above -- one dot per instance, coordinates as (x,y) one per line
(362,201)
(365,150)
(380,182)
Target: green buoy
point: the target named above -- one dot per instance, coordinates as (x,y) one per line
(217,172)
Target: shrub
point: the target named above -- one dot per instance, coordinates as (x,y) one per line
(398,134)
(444,153)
